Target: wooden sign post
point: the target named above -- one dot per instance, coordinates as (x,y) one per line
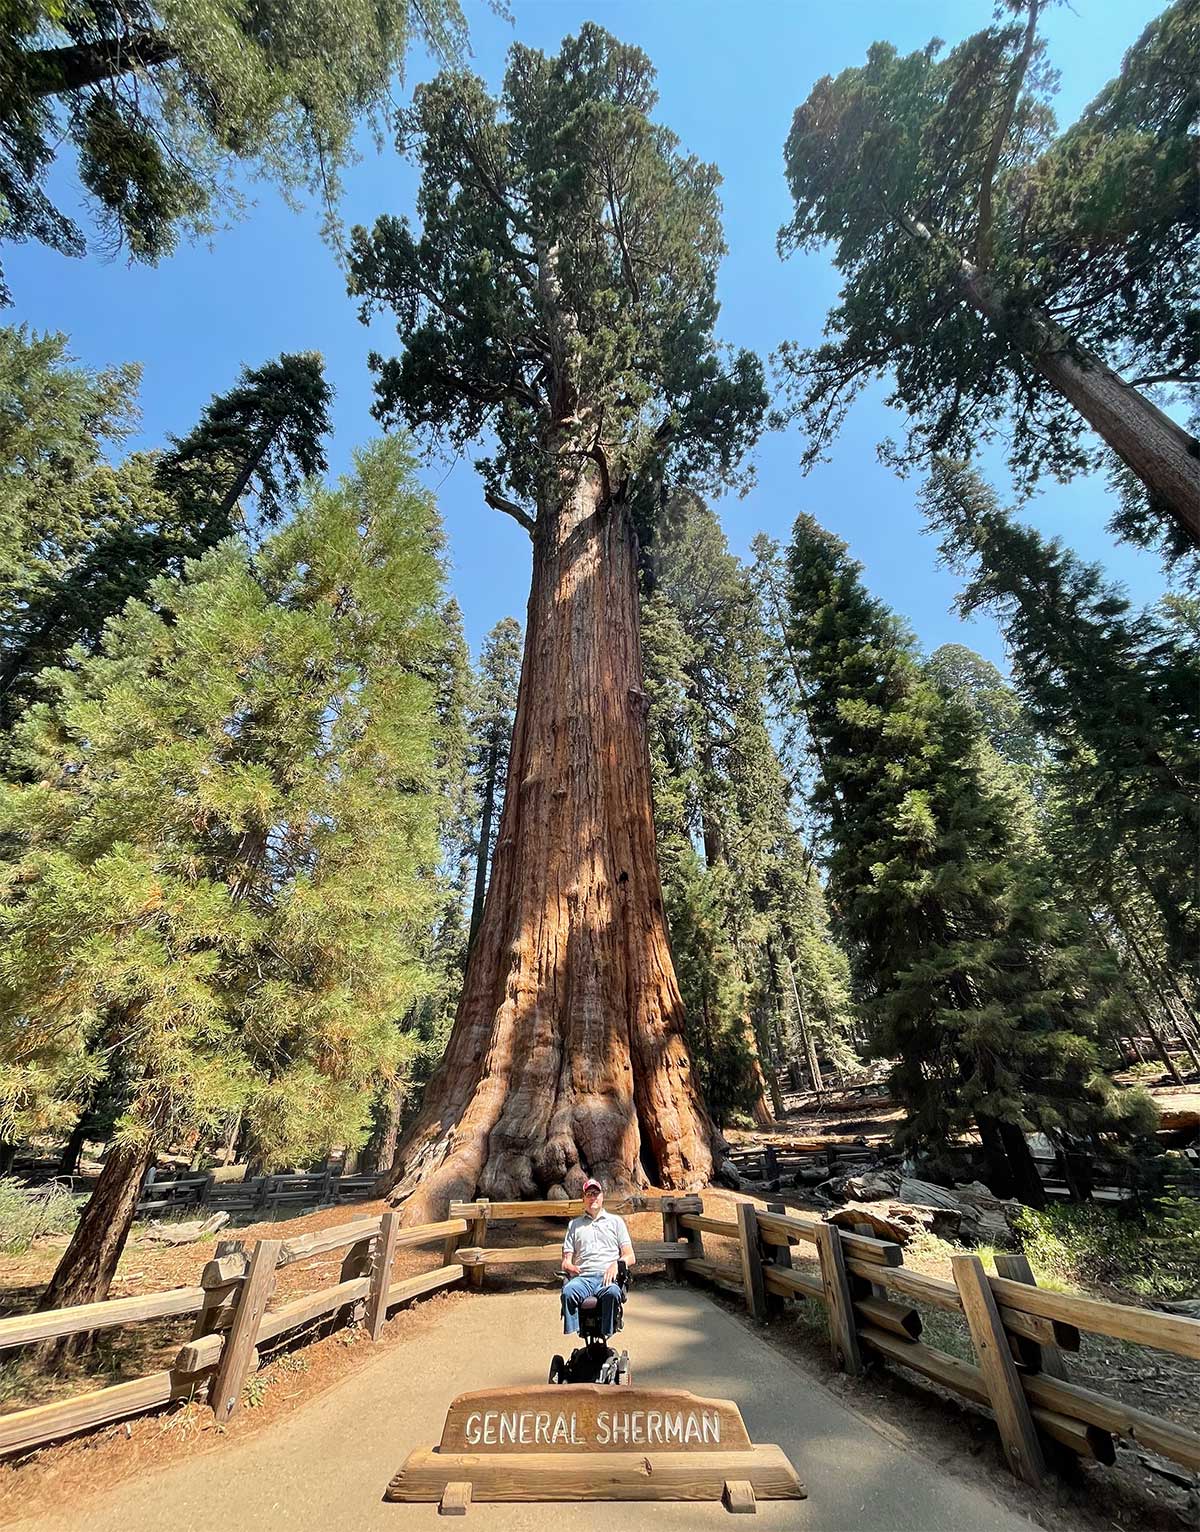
(586,1442)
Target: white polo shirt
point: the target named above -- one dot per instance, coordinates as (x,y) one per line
(593,1244)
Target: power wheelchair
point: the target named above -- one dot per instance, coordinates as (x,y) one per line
(596,1361)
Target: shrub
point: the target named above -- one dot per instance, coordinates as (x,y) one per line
(26,1212)
(1088,1245)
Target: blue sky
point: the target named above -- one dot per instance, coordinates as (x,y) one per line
(730,77)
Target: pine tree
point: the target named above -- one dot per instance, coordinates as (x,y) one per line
(494,713)
(718,783)
(972,983)
(224,840)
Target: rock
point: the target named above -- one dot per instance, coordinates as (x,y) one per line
(1188,1307)
(727,1174)
(185,1233)
(873,1186)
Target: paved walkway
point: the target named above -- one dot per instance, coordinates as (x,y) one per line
(325,1468)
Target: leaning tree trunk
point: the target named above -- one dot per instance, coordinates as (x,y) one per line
(89,1263)
(1164,456)
(567,1056)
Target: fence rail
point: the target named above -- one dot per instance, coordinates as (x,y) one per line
(1019,1331)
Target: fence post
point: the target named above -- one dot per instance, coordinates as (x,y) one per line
(381,1273)
(239,1355)
(478,1233)
(1007,1398)
(839,1302)
(1047,1359)
(221,1280)
(752,1264)
(671,1234)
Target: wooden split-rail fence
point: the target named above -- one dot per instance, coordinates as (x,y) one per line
(261,1195)
(872,1302)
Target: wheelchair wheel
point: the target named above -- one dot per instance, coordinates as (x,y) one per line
(624,1376)
(558,1369)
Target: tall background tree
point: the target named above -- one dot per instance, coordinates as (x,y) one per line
(1005,276)
(221,846)
(559,298)
(974,983)
(80,535)
(743,900)
(162,102)
(494,712)
(1115,695)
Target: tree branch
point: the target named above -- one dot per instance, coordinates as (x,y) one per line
(53,71)
(499,502)
(983,231)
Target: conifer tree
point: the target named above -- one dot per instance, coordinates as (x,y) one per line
(718,783)
(971,981)
(494,713)
(1116,692)
(224,840)
(161,102)
(558,302)
(79,536)
(1010,279)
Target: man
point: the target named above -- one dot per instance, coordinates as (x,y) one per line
(592,1246)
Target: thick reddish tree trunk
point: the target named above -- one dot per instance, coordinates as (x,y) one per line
(567,1056)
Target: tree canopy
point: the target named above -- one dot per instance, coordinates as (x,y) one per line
(994,266)
(161,101)
(561,288)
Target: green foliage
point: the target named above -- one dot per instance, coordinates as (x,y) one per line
(222,841)
(79,536)
(26,1213)
(945,189)
(1090,1246)
(1010,731)
(161,102)
(560,293)
(754,904)
(1116,694)
(972,980)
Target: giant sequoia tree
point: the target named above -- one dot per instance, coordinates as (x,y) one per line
(1007,277)
(558,301)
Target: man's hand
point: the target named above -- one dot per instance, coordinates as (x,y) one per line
(610,1273)
(569,1268)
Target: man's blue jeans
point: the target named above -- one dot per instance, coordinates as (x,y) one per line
(576,1289)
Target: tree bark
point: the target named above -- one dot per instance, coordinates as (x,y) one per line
(567,1056)
(89,1263)
(810,1051)
(485,843)
(53,71)
(73,1148)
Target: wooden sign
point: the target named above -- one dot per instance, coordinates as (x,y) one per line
(587,1442)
